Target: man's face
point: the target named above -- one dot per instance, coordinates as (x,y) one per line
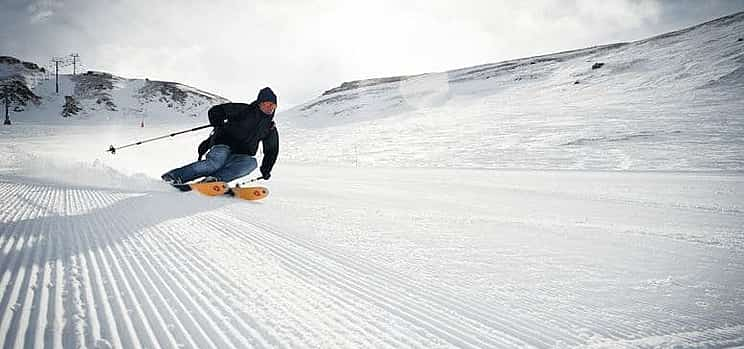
(267,107)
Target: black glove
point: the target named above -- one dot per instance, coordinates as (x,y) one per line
(266,175)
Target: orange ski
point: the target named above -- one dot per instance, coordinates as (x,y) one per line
(210,188)
(221,188)
(250,193)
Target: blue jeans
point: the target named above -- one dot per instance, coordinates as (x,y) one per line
(220,163)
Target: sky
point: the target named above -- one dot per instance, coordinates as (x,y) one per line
(302,48)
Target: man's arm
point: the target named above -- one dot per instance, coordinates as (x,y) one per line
(270,151)
(221,113)
(217,115)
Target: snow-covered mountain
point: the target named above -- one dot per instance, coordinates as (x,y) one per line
(12,68)
(669,102)
(101,96)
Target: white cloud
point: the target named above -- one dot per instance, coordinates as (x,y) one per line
(40,10)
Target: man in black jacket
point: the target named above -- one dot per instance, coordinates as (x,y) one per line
(238,128)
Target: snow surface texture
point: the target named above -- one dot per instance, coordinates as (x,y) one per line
(351,250)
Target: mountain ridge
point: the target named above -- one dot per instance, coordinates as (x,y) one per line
(97,95)
(345,94)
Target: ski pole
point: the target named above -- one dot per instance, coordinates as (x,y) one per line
(113,149)
(248,181)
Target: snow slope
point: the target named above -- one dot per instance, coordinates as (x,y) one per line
(29,73)
(106,98)
(376,258)
(672,102)
(430,222)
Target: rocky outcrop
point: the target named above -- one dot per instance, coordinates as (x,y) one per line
(96,85)
(350,85)
(179,97)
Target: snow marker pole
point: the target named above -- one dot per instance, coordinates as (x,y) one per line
(113,149)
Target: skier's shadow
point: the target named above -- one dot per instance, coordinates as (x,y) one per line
(73,234)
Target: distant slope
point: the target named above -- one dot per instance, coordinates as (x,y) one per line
(12,68)
(101,96)
(668,102)
(704,56)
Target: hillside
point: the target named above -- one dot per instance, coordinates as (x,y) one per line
(103,97)
(671,102)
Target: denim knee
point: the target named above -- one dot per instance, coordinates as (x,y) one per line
(212,165)
(217,156)
(244,160)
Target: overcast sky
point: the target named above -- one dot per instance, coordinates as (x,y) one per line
(301,48)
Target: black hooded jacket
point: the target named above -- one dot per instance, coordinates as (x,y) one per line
(241,126)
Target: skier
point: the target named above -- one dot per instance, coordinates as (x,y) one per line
(232,145)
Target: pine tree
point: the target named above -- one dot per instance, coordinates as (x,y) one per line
(14,93)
